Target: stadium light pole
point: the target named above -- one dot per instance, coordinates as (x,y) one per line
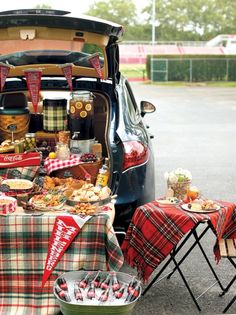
(153,21)
(153,34)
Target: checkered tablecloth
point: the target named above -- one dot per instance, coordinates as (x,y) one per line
(51,165)
(156,229)
(24,243)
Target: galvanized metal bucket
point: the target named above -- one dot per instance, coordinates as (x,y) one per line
(75,308)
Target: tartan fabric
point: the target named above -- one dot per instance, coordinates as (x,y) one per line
(24,243)
(51,165)
(156,229)
(54,118)
(27,172)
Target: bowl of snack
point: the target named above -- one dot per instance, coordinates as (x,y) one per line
(17,185)
(7,204)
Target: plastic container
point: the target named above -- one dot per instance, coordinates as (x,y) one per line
(74,307)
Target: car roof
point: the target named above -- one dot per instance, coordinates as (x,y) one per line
(45,38)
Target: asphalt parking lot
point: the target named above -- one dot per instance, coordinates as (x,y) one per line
(193,128)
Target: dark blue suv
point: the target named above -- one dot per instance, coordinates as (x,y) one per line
(47,39)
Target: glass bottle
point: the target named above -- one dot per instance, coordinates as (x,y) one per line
(115,282)
(133,293)
(63,151)
(103,174)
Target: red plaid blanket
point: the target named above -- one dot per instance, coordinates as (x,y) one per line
(24,244)
(51,165)
(156,229)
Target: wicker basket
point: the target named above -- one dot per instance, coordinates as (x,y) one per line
(180,189)
(80,171)
(15,122)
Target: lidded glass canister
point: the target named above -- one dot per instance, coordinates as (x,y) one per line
(81,113)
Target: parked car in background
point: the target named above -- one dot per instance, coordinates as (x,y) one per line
(47,39)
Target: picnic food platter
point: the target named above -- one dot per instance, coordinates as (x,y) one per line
(48,202)
(201,206)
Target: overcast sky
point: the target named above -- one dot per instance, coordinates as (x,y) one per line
(74,6)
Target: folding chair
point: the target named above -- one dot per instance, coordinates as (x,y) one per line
(228,249)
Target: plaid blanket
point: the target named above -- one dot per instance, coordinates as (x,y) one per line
(24,243)
(26,172)
(156,229)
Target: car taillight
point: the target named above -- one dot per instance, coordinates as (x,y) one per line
(135,153)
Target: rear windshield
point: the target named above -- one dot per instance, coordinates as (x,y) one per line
(38,51)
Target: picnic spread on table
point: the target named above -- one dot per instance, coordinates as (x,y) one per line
(59,250)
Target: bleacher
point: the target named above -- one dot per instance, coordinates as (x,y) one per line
(136,53)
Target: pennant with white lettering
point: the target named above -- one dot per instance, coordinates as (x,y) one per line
(64,231)
(33,79)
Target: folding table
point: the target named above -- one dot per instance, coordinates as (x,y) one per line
(158,231)
(24,241)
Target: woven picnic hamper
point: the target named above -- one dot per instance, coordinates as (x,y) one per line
(80,171)
(54,114)
(14,120)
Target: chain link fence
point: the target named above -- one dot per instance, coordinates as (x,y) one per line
(193,69)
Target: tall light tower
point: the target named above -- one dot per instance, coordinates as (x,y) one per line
(153,34)
(153,21)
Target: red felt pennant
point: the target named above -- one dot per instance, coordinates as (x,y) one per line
(64,231)
(4,70)
(95,62)
(67,71)
(33,79)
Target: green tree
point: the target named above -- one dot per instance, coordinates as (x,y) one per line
(193,20)
(117,11)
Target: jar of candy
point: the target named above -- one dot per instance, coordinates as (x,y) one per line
(30,141)
(63,151)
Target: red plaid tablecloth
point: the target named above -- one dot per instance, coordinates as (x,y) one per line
(156,229)
(24,243)
(51,165)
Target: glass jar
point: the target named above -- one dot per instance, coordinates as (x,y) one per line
(30,141)
(81,114)
(81,104)
(64,136)
(62,151)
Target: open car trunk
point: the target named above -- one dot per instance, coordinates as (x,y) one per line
(12,104)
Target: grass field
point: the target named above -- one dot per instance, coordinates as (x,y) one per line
(133,70)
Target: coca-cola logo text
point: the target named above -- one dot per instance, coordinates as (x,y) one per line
(13,158)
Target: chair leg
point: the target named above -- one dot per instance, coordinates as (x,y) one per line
(229,305)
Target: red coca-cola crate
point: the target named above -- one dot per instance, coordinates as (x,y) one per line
(20,160)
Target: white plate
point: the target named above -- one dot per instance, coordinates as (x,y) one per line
(185,207)
(21,182)
(168,201)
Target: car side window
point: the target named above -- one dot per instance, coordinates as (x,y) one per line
(131,104)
